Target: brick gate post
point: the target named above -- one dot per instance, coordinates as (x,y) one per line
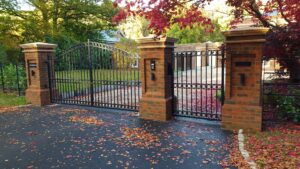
(244,51)
(36,57)
(156,76)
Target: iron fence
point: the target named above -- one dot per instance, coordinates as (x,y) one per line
(13,78)
(280,96)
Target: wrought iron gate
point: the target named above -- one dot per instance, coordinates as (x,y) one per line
(199,83)
(95,74)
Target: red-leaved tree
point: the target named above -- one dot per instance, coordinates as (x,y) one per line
(283,39)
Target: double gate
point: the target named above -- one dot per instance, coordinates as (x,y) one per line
(95,74)
(199,83)
(100,75)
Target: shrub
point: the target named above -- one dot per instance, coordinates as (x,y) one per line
(219,95)
(288,105)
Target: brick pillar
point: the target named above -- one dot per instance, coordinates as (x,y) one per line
(244,51)
(36,57)
(156,76)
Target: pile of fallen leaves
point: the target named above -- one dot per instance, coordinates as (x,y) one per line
(139,137)
(276,147)
(13,109)
(73,110)
(7,109)
(86,120)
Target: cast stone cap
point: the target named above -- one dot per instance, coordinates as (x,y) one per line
(38,45)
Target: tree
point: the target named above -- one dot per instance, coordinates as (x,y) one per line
(195,34)
(56,21)
(134,27)
(126,59)
(164,13)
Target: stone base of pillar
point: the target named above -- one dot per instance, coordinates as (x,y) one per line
(247,117)
(39,97)
(158,109)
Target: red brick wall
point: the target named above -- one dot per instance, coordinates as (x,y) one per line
(36,54)
(242,108)
(156,101)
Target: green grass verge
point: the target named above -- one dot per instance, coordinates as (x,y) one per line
(9,99)
(80,79)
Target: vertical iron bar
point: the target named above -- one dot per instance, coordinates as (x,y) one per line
(123,80)
(181,82)
(56,94)
(191,66)
(206,64)
(77,76)
(196,89)
(115,62)
(201,82)
(49,76)
(222,83)
(68,74)
(107,77)
(212,54)
(186,83)
(64,89)
(177,83)
(97,75)
(127,81)
(111,79)
(217,83)
(2,76)
(172,81)
(71,79)
(139,80)
(18,83)
(91,74)
(263,87)
(80,69)
(132,80)
(101,76)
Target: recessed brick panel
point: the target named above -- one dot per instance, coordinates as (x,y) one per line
(242,108)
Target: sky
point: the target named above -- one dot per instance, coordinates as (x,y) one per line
(215,5)
(25,6)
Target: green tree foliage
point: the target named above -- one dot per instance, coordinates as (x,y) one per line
(64,22)
(195,34)
(126,59)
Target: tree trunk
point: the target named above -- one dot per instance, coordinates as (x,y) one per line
(294,69)
(55,17)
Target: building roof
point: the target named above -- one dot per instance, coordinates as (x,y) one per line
(111,36)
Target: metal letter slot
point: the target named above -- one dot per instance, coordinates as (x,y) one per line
(243,64)
(32,65)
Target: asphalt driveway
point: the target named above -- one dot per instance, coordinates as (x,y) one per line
(83,137)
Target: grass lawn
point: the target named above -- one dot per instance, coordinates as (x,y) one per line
(9,99)
(100,74)
(80,79)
